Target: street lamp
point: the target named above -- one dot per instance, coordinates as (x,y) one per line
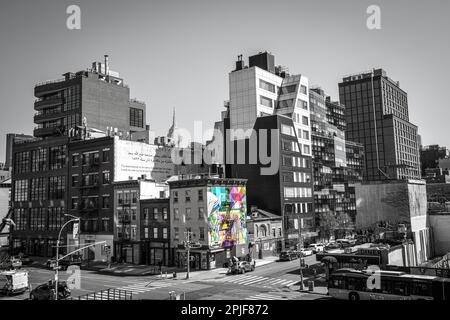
(57,251)
(188,244)
(300,244)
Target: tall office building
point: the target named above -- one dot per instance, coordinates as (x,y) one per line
(61,172)
(337,165)
(263,89)
(376,111)
(265,97)
(96,97)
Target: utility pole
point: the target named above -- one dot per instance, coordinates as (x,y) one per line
(74,219)
(188,245)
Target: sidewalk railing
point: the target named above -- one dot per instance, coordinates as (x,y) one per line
(107,294)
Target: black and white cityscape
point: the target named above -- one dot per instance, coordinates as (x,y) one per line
(243,151)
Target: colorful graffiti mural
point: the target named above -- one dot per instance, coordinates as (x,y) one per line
(227,214)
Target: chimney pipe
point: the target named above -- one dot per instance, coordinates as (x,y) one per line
(106,64)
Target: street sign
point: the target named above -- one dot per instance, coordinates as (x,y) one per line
(75,230)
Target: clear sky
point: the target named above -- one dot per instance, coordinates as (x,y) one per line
(179,53)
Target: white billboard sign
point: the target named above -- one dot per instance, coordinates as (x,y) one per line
(134,159)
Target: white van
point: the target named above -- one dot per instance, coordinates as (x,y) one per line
(13,282)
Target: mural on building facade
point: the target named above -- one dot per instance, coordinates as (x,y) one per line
(227,213)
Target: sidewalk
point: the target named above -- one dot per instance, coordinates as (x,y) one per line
(128,269)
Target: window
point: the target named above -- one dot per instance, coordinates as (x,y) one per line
(201,233)
(105,202)
(38,189)
(20,219)
(134,197)
(21,190)
(265,101)
(164,233)
(303,89)
(22,162)
(302,104)
(57,187)
(57,157)
(285,103)
(176,214)
(106,177)
(75,203)
(75,160)
(105,224)
(306,149)
(201,213)
(37,219)
(175,196)
(165,213)
(39,160)
(188,213)
(155,233)
(306,134)
(200,195)
(55,218)
(75,180)
(136,117)
(188,195)
(305,121)
(289,89)
(176,233)
(288,130)
(105,155)
(266,86)
(156,214)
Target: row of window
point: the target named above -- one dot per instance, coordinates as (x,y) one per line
(187,196)
(39,219)
(158,233)
(41,188)
(90,158)
(38,159)
(155,214)
(188,214)
(200,235)
(91,202)
(297,192)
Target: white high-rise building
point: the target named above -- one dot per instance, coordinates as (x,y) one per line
(265,89)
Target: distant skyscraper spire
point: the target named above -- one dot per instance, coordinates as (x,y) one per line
(170,134)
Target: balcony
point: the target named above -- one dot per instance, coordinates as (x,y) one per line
(40,117)
(42,132)
(42,104)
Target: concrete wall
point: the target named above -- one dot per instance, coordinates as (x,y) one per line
(396,202)
(441,234)
(4,202)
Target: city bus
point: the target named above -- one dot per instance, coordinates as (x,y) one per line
(351,284)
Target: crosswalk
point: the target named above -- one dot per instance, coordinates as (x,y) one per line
(251,280)
(135,289)
(267,296)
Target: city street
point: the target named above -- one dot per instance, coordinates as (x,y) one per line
(268,282)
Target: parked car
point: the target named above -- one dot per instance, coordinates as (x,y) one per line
(306,252)
(10,264)
(332,246)
(46,291)
(317,247)
(243,267)
(288,255)
(13,282)
(26,260)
